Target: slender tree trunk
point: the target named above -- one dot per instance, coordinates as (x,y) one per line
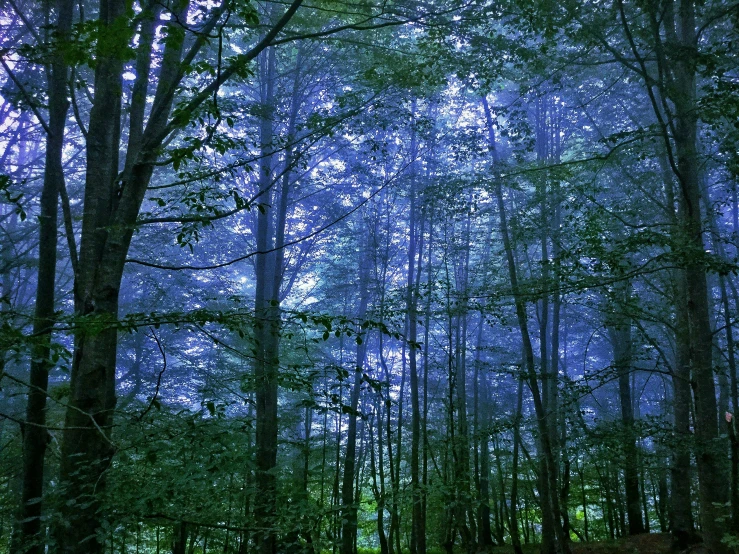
(504,515)
(35,435)
(267,326)
(394,479)
(426,332)
(462,442)
(349,507)
(515,537)
(378,488)
(619,330)
(485,536)
(555,542)
(584,501)
(418,530)
(734,443)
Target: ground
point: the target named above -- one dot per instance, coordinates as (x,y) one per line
(653,543)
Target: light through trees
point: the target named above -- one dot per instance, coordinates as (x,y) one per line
(358,277)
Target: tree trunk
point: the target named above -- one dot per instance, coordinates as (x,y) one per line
(680,513)
(484,532)
(35,435)
(112,202)
(679,52)
(179,538)
(378,488)
(515,537)
(619,330)
(681,522)
(418,528)
(554,541)
(86,449)
(267,326)
(348,505)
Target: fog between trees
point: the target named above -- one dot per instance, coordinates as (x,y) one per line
(364,276)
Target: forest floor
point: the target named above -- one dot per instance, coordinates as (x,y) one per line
(651,543)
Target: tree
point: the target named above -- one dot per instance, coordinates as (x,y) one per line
(112,204)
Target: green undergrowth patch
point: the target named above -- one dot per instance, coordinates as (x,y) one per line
(650,543)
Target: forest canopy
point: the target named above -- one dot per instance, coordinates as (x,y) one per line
(358,276)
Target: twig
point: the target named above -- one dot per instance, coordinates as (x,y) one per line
(159,377)
(25,94)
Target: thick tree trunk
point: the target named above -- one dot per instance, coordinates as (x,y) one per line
(112,202)
(179,538)
(681,521)
(86,448)
(680,499)
(678,54)
(732,386)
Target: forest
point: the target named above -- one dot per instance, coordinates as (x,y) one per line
(369,276)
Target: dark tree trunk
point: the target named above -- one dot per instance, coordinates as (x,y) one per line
(554,540)
(515,537)
(415,244)
(348,505)
(179,538)
(266,332)
(680,513)
(112,202)
(619,330)
(35,435)
(676,53)
(378,487)
(86,448)
(484,532)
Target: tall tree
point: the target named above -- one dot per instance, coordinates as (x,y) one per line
(112,202)
(35,437)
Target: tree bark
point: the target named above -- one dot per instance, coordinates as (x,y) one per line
(112,202)
(619,330)
(515,536)
(348,505)
(35,435)
(86,448)
(418,527)
(676,56)
(553,541)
